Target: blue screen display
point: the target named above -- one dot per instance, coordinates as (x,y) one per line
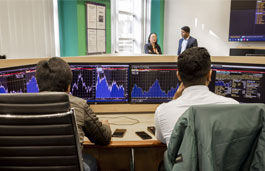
(100,83)
(18,80)
(153,83)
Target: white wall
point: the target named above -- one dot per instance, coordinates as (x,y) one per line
(209,23)
(26,28)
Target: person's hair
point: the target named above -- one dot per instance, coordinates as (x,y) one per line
(150,36)
(194,65)
(53,75)
(186,29)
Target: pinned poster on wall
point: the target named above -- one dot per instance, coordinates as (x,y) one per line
(92,40)
(91,16)
(96,28)
(101,17)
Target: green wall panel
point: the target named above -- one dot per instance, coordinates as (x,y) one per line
(81,27)
(157,20)
(68,27)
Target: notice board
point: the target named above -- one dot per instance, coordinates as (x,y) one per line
(96,28)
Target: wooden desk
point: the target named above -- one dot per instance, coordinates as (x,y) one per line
(123,153)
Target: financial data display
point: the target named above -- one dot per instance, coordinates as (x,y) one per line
(244,83)
(100,83)
(153,83)
(18,80)
(247,20)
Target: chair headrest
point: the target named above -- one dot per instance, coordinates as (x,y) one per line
(34,103)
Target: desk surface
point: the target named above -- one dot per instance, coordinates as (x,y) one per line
(129,122)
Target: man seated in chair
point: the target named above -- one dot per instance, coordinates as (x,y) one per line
(55,75)
(194,73)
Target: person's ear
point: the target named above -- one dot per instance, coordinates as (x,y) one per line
(178,76)
(68,89)
(209,76)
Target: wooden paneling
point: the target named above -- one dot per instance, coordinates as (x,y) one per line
(129,59)
(148,158)
(110,159)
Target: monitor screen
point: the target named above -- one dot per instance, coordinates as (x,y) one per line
(247,20)
(242,82)
(18,80)
(153,83)
(100,82)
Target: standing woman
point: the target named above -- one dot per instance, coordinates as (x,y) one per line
(152,47)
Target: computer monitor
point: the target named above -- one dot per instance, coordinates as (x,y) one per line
(18,80)
(100,83)
(242,82)
(153,82)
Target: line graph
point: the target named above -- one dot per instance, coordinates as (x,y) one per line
(112,83)
(31,82)
(100,83)
(154,91)
(103,90)
(153,83)
(83,82)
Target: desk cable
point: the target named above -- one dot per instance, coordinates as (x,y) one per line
(136,121)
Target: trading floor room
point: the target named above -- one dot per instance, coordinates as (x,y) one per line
(132,85)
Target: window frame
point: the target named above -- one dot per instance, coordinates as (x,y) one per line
(141,26)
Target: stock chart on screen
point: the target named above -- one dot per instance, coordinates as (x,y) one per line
(153,83)
(100,83)
(242,82)
(18,80)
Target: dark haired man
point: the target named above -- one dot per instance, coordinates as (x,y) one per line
(186,41)
(194,71)
(55,75)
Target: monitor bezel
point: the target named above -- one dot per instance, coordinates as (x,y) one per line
(17,67)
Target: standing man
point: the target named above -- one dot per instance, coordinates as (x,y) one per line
(186,41)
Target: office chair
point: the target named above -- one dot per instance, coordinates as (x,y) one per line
(218,138)
(38,133)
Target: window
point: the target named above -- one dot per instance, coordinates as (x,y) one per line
(128,25)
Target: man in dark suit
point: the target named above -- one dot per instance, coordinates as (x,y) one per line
(186,41)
